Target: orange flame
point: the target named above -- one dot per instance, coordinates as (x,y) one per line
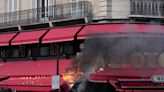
(101,69)
(71,76)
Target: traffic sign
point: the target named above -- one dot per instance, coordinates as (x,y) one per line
(55,82)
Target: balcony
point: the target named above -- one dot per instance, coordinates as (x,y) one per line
(147,9)
(41,15)
(147,14)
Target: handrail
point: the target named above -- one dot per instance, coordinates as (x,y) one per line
(45,14)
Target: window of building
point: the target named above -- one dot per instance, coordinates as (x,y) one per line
(4,53)
(15,52)
(22,50)
(74,8)
(43,5)
(162,9)
(66,48)
(28,52)
(35,51)
(153,9)
(80,7)
(150,8)
(156,8)
(138,7)
(52,50)
(43,8)
(45,50)
(34,3)
(12,5)
(141,7)
(133,8)
(146,8)
(32,50)
(51,2)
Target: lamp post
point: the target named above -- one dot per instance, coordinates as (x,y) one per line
(57,59)
(57,63)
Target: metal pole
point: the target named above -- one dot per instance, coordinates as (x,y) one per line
(57,62)
(57,59)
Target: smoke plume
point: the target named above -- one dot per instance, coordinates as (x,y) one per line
(118,51)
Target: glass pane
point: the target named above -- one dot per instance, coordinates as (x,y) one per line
(44,51)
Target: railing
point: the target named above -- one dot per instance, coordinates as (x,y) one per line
(45,14)
(147,8)
(148,13)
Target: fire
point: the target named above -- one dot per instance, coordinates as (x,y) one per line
(101,69)
(71,76)
(97,70)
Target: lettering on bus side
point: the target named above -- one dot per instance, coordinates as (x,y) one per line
(138,60)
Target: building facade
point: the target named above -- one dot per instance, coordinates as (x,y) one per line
(35,53)
(15,5)
(110,9)
(101,9)
(25,12)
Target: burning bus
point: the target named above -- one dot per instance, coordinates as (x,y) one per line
(89,58)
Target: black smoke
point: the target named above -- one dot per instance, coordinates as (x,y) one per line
(98,52)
